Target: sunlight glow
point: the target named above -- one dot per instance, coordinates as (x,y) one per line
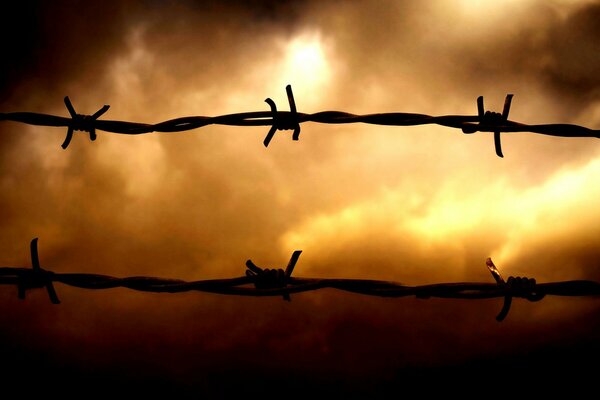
(306,64)
(512,217)
(479,7)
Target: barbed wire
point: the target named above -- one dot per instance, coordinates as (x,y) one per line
(484,121)
(278,282)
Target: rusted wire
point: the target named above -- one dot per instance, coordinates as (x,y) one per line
(291,120)
(277,282)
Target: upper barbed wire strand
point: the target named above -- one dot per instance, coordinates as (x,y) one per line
(291,120)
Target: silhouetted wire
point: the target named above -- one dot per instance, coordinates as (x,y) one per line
(291,120)
(277,282)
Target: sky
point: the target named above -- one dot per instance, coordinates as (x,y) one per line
(415,205)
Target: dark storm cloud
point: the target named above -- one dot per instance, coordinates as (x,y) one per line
(51,47)
(524,42)
(574,46)
(558,51)
(58,42)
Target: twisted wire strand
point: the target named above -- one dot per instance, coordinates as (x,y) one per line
(291,120)
(277,282)
(264,118)
(234,286)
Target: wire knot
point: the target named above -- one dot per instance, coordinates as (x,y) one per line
(491,118)
(523,287)
(283,121)
(272,278)
(36,277)
(81,122)
(266,278)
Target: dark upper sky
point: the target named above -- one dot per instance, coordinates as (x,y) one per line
(414,205)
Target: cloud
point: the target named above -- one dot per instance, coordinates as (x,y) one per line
(500,220)
(415,205)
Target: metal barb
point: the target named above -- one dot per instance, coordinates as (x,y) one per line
(36,277)
(272,278)
(283,121)
(505,110)
(494,271)
(80,122)
(489,119)
(502,284)
(514,287)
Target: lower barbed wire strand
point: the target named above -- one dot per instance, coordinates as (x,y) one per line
(234,286)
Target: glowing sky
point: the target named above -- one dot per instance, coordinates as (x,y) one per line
(410,204)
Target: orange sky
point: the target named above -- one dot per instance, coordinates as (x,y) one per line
(410,204)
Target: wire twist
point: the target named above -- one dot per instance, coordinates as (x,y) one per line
(36,277)
(80,122)
(277,282)
(490,118)
(272,278)
(484,121)
(522,287)
(283,121)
